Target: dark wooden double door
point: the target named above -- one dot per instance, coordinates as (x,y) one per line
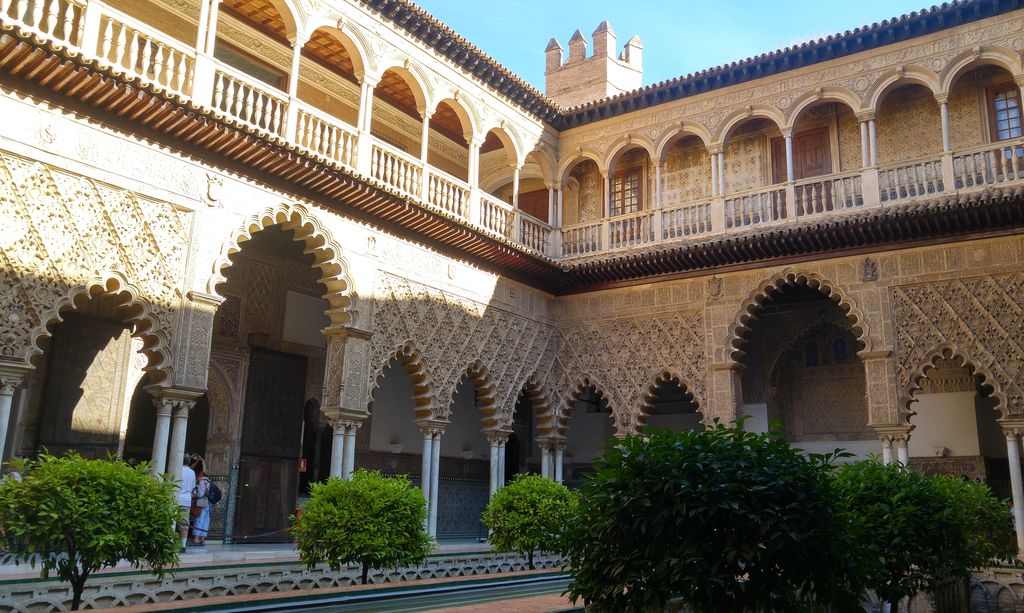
(812,156)
(271,445)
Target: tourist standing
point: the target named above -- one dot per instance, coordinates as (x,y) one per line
(185,487)
(200,502)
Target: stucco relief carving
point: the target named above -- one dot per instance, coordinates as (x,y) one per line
(453,334)
(978,319)
(66,236)
(625,358)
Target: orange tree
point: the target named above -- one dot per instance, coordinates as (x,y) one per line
(722,519)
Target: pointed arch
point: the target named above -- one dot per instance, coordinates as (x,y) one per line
(754,111)
(904,75)
(986,55)
(830,93)
(318,241)
(422,387)
(666,376)
(741,324)
(486,396)
(138,311)
(674,135)
(949,351)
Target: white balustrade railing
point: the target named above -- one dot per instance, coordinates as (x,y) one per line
(686,220)
(829,193)
(248,100)
(994,164)
(581,240)
(60,20)
(496,215)
(144,52)
(534,233)
(449,194)
(629,231)
(396,169)
(910,180)
(754,208)
(324,135)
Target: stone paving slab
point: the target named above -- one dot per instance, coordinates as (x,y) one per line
(530,604)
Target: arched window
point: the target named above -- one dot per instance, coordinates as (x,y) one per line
(840,350)
(811,354)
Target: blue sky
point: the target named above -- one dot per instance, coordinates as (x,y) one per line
(679,36)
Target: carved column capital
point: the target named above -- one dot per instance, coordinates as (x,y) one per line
(12,377)
(497,437)
(174,401)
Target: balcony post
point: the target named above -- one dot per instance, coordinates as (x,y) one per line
(364,147)
(656,222)
(721,172)
(515,184)
(89,38)
(873,138)
(204,21)
(425,155)
(948,179)
(788,135)
(869,172)
(555,221)
(474,179)
(606,183)
(792,211)
(291,123)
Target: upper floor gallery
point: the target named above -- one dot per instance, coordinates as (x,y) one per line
(924,107)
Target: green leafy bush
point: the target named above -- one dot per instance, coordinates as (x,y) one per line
(920,533)
(75,516)
(528,514)
(369,520)
(722,519)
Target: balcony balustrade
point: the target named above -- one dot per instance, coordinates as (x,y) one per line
(110,37)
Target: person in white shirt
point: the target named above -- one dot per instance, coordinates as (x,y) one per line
(185,487)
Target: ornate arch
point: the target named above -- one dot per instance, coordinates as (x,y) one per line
(766,289)
(543,411)
(508,141)
(830,93)
(672,136)
(627,144)
(725,127)
(422,387)
(156,345)
(896,77)
(350,38)
(666,376)
(486,396)
(413,76)
(318,241)
(561,417)
(470,122)
(986,55)
(948,351)
(584,153)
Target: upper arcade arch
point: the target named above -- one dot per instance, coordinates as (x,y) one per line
(686,128)
(831,93)
(411,74)
(508,142)
(467,119)
(624,146)
(987,55)
(742,322)
(570,163)
(723,131)
(898,77)
(352,45)
(318,241)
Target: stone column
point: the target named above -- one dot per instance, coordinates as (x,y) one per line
(497,441)
(873,140)
(493,485)
(714,174)
(559,452)
(721,172)
(426,463)
(788,135)
(291,126)
(865,144)
(435,472)
(158,460)
(886,450)
(1016,484)
(364,146)
(516,169)
(606,182)
(545,459)
(903,449)
(11,378)
(501,461)
(337,447)
(176,450)
(349,462)
(211,29)
(204,22)
(944,118)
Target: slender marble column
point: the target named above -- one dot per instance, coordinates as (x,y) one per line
(1016,484)
(865,145)
(164,409)
(501,462)
(179,428)
(903,449)
(789,156)
(425,477)
(559,450)
(545,461)
(493,465)
(435,471)
(337,448)
(7,387)
(350,450)
(947,145)
(886,450)
(873,139)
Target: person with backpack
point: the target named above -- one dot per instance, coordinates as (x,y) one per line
(201,504)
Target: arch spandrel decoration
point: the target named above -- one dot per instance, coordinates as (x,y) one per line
(66,237)
(318,241)
(741,324)
(977,319)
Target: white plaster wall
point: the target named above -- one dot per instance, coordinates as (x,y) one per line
(465,432)
(392,414)
(587,434)
(945,420)
(757,417)
(304,318)
(991,440)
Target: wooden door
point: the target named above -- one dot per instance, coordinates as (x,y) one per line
(271,444)
(812,156)
(535,203)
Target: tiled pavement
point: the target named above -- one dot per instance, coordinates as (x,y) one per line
(532,604)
